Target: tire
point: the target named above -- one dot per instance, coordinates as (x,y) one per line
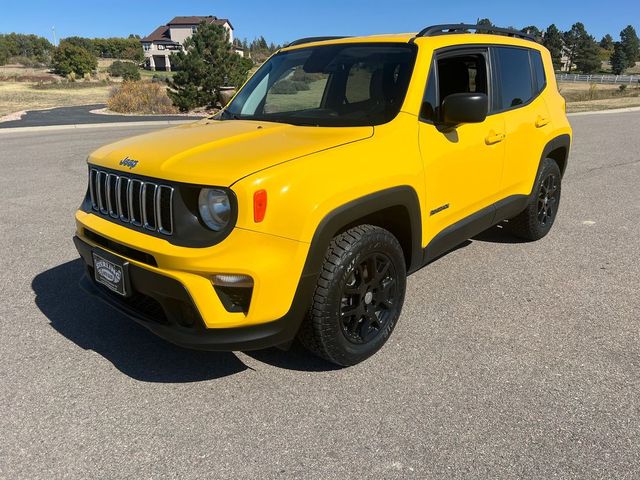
(536,220)
(354,311)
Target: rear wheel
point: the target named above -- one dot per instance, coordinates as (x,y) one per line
(536,220)
(358,297)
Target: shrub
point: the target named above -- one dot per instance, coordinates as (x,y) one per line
(140,97)
(299,75)
(159,78)
(289,87)
(126,70)
(301,86)
(284,87)
(71,59)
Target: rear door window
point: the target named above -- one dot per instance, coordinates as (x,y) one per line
(516,81)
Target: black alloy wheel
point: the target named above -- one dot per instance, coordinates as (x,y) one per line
(369,298)
(547,199)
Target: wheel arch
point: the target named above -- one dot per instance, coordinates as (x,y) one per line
(558,150)
(396,209)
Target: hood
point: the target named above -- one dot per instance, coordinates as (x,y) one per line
(212,152)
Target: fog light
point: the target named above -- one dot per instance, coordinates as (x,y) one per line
(234,291)
(232,280)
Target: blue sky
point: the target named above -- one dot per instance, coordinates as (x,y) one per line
(285,20)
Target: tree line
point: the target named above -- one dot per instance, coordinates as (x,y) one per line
(32,49)
(576,49)
(259,49)
(122,48)
(24,46)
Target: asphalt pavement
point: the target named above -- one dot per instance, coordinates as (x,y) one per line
(510,360)
(82,115)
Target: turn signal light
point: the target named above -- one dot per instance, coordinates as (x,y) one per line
(259,205)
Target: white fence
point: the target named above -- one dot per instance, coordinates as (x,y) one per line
(570,77)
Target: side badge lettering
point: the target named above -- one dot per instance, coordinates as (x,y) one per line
(439,209)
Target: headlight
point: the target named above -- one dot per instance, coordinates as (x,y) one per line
(215,208)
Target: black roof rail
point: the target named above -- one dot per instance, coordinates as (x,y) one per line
(302,41)
(435,30)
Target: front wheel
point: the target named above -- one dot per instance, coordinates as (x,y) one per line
(536,220)
(358,298)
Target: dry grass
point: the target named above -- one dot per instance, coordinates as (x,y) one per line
(583,97)
(605,104)
(18,96)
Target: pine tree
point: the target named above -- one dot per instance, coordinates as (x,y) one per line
(207,64)
(572,41)
(631,43)
(554,43)
(533,31)
(587,57)
(619,61)
(607,42)
(485,22)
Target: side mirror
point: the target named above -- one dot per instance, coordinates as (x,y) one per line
(460,108)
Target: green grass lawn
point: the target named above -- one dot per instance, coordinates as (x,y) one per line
(149,74)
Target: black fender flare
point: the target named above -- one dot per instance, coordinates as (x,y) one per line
(562,141)
(356,211)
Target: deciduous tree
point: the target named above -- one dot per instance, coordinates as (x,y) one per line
(70,58)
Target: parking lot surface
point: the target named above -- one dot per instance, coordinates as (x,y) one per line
(510,360)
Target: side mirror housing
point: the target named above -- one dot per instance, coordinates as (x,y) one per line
(460,108)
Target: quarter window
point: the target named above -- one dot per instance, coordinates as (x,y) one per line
(538,68)
(516,86)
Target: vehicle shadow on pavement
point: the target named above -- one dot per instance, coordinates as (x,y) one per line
(132,349)
(498,234)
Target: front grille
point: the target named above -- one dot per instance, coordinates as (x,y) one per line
(130,200)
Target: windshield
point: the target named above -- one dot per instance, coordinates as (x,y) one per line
(332,85)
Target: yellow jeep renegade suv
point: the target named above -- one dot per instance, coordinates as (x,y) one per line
(342,165)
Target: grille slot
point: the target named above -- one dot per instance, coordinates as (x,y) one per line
(130,200)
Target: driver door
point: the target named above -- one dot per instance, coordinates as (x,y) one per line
(463,165)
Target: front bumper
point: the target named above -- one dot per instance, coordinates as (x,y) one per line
(182,307)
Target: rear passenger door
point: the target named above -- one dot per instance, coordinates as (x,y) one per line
(521,80)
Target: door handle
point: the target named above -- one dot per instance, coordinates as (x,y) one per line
(542,121)
(494,138)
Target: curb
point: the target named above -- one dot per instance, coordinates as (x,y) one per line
(94,125)
(605,112)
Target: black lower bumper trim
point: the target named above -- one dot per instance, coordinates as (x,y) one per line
(176,303)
